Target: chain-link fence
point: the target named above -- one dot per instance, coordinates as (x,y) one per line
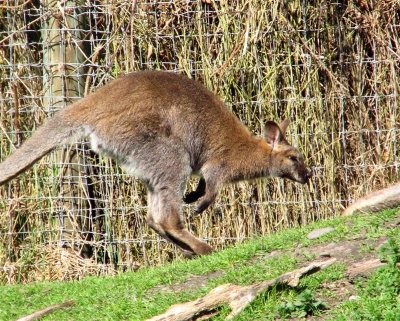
(331,67)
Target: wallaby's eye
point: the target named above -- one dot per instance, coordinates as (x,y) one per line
(293,159)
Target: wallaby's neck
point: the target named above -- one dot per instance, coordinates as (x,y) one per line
(251,160)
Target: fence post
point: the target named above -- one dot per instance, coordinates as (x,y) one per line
(63,82)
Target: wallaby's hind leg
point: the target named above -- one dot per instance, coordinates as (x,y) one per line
(165,166)
(195,195)
(165,217)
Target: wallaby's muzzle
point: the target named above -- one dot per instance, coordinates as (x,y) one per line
(302,176)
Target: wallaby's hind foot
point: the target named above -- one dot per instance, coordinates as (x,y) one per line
(188,243)
(165,218)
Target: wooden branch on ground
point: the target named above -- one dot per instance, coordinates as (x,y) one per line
(236,296)
(41,313)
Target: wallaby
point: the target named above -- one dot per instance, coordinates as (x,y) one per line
(375,201)
(162,128)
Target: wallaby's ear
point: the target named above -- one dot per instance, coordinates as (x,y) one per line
(284,125)
(272,133)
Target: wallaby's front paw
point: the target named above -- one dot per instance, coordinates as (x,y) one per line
(202,207)
(191,197)
(205,202)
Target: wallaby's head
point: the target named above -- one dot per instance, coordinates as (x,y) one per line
(286,160)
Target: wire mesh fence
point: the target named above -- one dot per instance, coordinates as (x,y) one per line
(331,67)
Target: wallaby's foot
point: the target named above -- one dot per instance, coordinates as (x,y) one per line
(188,254)
(204,249)
(207,250)
(164,216)
(190,245)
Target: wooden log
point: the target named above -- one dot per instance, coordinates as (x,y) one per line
(236,296)
(41,313)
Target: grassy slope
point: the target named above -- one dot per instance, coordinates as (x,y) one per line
(126,296)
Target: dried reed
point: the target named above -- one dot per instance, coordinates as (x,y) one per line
(330,67)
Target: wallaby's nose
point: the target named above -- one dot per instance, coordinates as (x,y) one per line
(307,175)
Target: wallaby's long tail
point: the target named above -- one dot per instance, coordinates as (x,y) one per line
(54,132)
(385,198)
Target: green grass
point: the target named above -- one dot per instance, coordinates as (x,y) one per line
(126,296)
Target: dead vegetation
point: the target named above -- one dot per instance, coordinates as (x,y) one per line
(331,67)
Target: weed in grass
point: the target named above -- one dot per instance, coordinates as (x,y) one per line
(379,298)
(366,247)
(303,305)
(390,252)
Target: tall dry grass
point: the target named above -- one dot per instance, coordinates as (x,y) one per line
(331,68)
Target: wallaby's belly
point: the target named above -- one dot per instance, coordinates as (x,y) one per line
(127,162)
(156,159)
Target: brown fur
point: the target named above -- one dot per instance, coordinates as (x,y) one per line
(163,127)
